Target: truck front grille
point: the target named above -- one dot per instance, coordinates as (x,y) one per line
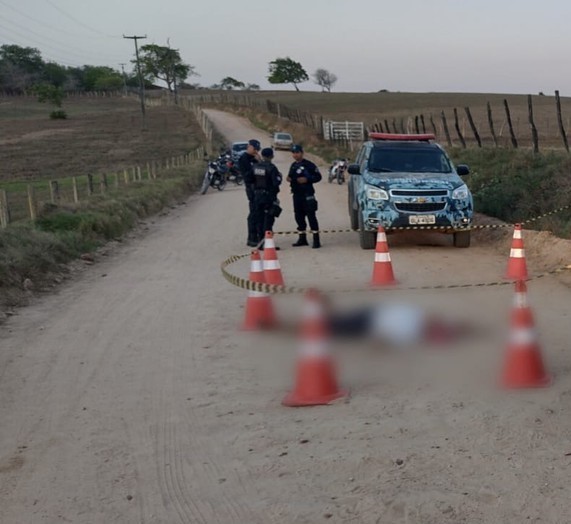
(429,207)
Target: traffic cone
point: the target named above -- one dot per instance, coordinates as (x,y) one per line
(315,374)
(382,268)
(517,267)
(523,365)
(259,306)
(272,268)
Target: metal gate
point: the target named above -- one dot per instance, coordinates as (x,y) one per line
(344,131)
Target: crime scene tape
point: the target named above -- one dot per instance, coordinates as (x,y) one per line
(473,227)
(244,283)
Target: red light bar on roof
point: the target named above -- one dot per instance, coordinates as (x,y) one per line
(391,136)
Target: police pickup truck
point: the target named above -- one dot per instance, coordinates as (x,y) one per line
(408,180)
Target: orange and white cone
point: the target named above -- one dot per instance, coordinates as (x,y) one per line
(259,306)
(382,268)
(523,364)
(315,383)
(517,267)
(272,268)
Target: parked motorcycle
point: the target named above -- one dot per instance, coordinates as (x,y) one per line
(337,171)
(233,174)
(215,176)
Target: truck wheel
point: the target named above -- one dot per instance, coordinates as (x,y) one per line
(353,215)
(367,239)
(462,239)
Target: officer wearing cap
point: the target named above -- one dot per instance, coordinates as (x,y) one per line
(266,183)
(302,175)
(246,163)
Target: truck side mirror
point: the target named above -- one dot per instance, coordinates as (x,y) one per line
(462,170)
(354,169)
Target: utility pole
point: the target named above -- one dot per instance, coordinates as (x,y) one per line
(141,82)
(124,79)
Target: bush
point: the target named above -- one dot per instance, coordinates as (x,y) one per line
(59,114)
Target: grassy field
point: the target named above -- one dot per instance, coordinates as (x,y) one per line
(100,135)
(374,107)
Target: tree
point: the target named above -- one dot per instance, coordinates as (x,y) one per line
(164,63)
(325,79)
(55,74)
(230,83)
(252,87)
(20,67)
(50,94)
(287,71)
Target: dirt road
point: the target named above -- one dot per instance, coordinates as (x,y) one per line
(129,397)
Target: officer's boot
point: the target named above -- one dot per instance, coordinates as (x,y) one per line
(316,241)
(301,241)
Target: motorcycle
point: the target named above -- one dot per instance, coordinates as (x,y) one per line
(233,174)
(337,171)
(215,176)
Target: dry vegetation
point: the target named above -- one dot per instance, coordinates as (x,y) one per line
(373,107)
(100,135)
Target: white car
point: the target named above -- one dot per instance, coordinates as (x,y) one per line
(282,141)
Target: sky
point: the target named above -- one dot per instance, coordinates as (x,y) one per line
(484,46)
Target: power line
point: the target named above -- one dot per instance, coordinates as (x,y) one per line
(24,40)
(42,23)
(79,22)
(62,47)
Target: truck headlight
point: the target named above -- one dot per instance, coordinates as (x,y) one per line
(460,193)
(375,193)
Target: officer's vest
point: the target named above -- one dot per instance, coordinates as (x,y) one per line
(261,177)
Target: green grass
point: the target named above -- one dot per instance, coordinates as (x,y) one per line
(518,185)
(37,250)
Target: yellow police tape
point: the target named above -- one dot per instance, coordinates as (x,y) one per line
(244,283)
(473,227)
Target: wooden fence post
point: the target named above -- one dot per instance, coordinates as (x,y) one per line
(54,191)
(32,204)
(473,126)
(457,126)
(433,125)
(560,121)
(510,125)
(416,127)
(422,122)
(89,184)
(139,175)
(491,124)
(395,125)
(126,176)
(104,183)
(75,192)
(534,135)
(4,209)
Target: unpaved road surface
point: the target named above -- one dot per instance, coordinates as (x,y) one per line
(130,397)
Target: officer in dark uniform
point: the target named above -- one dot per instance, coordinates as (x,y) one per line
(267,180)
(302,175)
(245,165)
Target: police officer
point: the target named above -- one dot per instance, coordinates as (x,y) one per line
(302,175)
(267,180)
(246,163)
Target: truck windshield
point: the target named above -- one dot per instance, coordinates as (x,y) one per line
(385,160)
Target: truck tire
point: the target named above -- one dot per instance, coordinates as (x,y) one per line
(353,215)
(367,239)
(462,239)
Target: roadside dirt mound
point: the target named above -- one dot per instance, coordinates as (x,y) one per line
(544,251)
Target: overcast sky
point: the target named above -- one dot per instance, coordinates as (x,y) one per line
(504,46)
